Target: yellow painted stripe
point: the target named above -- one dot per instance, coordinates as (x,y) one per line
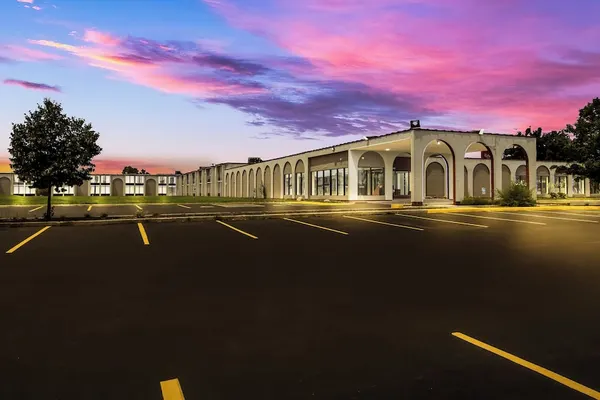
(138,207)
(558,218)
(171,390)
(181,205)
(44,229)
(385,223)
(443,220)
(316,226)
(143,234)
(35,209)
(237,230)
(524,363)
(500,219)
(89,208)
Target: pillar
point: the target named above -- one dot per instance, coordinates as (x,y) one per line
(588,188)
(416,166)
(459,168)
(469,181)
(353,157)
(496,171)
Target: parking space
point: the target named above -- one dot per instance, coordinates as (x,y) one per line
(339,306)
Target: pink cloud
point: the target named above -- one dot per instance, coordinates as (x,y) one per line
(37,8)
(32,85)
(464,59)
(25,1)
(101,38)
(21,53)
(158,66)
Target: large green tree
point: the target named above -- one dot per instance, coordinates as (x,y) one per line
(50,149)
(550,146)
(586,142)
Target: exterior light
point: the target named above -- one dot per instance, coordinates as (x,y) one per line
(387,149)
(438,142)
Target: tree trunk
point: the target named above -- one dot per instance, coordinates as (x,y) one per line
(48,215)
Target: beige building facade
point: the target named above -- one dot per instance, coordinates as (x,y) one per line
(416,166)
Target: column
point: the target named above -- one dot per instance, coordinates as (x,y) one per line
(307,178)
(459,192)
(389,175)
(469,181)
(353,174)
(416,166)
(570,182)
(532,172)
(496,165)
(588,188)
(552,187)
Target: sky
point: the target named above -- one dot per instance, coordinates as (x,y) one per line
(177,84)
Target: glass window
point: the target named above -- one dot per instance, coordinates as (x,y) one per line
(314,183)
(560,183)
(319,183)
(340,182)
(287,184)
(327,183)
(334,184)
(594,187)
(578,185)
(300,184)
(345,181)
(363,181)
(371,182)
(542,185)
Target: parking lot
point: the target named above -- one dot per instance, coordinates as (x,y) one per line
(333,307)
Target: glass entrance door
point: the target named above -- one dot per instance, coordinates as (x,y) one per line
(401,184)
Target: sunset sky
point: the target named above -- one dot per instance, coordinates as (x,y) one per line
(175,84)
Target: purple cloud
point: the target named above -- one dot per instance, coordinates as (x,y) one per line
(32,85)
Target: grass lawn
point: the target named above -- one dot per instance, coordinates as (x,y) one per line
(39,200)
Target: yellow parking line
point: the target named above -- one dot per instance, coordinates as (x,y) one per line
(171,390)
(35,209)
(89,208)
(44,229)
(386,223)
(548,217)
(444,220)
(181,205)
(316,226)
(138,207)
(524,363)
(500,219)
(237,230)
(143,234)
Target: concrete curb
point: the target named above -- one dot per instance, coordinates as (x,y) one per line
(459,209)
(196,217)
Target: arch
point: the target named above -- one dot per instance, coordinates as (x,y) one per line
(371,174)
(238,185)
(441,148)
(542,180)
(259,184)
(506,177)
(481,181)
(287,168)
(117,187)
(150,187)
(521,175)
(481,151)
(268,183)
(435,180)
(244,184)
(518,152)
(4,186)
(277,194)
(300,178)
(251,187)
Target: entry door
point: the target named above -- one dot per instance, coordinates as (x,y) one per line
(401,184)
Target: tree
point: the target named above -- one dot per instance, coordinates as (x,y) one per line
(144,172)
(130,170)
(50,149)
(586,143)
(550,146)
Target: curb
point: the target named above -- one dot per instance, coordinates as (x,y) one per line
(195,217)
(459,209)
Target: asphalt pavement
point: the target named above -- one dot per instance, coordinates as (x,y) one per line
(304,308)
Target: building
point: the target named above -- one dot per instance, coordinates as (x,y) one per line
(415,165)
(100,185)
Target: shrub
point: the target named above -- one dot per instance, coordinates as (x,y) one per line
(517,195)
(553,195)
(139,214)
(562,195)
(476,201)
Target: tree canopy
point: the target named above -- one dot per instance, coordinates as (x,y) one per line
(50,149)
(132,170)
(550,146)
